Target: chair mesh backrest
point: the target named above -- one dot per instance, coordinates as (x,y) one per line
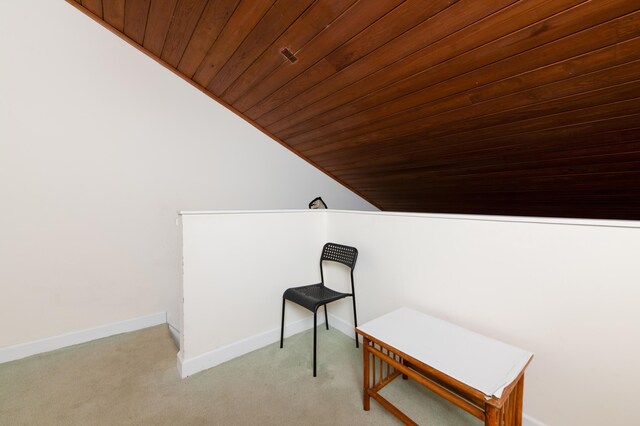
(339,253)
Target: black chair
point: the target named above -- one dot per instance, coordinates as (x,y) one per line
(316,295)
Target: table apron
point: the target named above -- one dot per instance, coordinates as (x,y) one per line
(510,414)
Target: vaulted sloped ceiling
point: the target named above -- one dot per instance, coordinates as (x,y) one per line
(527,107)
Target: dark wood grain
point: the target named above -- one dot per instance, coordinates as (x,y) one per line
(185,17)
(479,107)
(272,25)
(355,19)
(480,86)
(461,29)
(135,19)
(244,18)
(404,17)
(93,6)
(459,113)
(602,146)
(318,18)
(516,127)
(606,34)
(395,23)
(160,13)
(573,136)
(443,63)
(114,13)
(214,17)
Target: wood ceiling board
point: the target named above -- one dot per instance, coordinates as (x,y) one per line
(185,17)
(158,22)
(575,135)
(515,129)
(446,35)
(590,182)
(379,33)
(93,6)
(135,19)
(244,18)
(571,165)
(521,204)
(319,16)
(450,108)
(587,184)
(355,19)
(496,107)
(555,119)
(518,204)
(515,154)
(447,64)
(272,25)
(505,152)
(214,18)
(114,13)
(299,108)
(467,89)
(457,114)
(602,36)
(611,131)
(392,25)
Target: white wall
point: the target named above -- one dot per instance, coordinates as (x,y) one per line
(99,148)
(236,267)
(566,290)
(569,293)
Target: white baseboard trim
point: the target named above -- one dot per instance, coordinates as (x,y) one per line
(208,360)
(530,421)
(342,326)
(179,362)
(175,335)
(12,353)
(226,353)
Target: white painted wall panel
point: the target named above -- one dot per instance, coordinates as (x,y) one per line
(236,267)
(100,147)
(567,292)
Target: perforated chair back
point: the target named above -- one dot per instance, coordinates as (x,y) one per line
(339,253)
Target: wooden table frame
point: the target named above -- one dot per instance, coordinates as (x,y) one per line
(506,410)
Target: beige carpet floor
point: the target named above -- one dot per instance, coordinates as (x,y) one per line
(131,379)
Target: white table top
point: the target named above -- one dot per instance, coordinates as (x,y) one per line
(483,363)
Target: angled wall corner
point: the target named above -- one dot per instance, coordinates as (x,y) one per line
(99,150)
(546,285)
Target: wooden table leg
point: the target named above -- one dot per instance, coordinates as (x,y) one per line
(492,415)
(519,397)
(366,399)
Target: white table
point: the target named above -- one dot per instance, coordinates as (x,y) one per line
(481,375)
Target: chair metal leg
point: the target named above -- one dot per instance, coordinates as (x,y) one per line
(282,325)
(326,318)
(355,320)
(315,339)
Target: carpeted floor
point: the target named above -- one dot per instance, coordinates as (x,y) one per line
(131,379)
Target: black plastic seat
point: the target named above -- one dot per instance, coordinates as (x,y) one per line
(314,296)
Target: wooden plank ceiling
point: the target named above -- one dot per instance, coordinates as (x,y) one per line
(527,107)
